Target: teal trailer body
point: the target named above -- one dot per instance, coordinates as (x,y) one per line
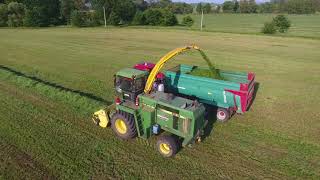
(235,92)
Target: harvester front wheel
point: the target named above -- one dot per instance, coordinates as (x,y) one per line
(223,114)
(167,146)
(123,125)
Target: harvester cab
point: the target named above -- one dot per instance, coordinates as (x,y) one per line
(129,83)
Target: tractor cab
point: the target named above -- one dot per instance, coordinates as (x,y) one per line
(129,83)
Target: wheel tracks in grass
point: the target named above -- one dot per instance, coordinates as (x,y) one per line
(292,157)
(38,120)
(12,157)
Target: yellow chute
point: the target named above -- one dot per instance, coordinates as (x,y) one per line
(162,61)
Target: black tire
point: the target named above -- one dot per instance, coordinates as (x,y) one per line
(127,120)
(170,144)
(223,115)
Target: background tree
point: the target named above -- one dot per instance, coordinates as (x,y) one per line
(32,18)
(187,21)
(207,8)
(228,6)
(77,19)
(301,6)
(16,12)
(66,8)
(168,18)
(153,16)
(139,19)
(236,6)
(199,8)
(266,8)
(180,8)
(3,15)
(114,18)
(141,5)
(49,11)
(269,28)
(253,6)
(282,23)
(124,9)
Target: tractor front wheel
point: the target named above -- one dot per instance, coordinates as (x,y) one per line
(167,146)
(123,125)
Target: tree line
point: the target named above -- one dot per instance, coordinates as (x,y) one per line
(43,13)
(274,6)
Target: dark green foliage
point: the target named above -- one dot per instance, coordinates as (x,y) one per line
(236,7)
(207,8)
(124,9)
(3,15)
(32,18)
(78,19)
(294,6)
(169,19)
(180,8)
(84,19)
(49,11)
(187,21)
(228,6)
(248,6)
(114,19)
(266,7)
(66,8)
(158,16)
(199,8)
(269,28)
(16,12)
(127,10)
(282,23)
(141,5)
(153,16)
(139,19)
(301,6)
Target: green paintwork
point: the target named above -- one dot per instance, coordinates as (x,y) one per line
(130,72)
(207,90)
(176,115)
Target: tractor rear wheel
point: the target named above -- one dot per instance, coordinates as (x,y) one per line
(223,114)
(123,125)
(167,146)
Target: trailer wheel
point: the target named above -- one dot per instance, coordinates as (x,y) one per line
(223,115)
(123,125)
(167,146)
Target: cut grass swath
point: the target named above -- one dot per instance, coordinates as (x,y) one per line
(81,104)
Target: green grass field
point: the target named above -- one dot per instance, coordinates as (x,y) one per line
(52,80)
(302,25)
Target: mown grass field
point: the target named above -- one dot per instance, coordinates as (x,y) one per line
(302,25)
(51,80)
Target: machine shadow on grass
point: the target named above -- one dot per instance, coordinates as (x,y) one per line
(54,85)
(212,111)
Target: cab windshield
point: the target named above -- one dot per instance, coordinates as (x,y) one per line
(128,84)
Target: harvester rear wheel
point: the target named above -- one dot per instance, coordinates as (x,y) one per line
(167,146)
(223,114)
(123,125)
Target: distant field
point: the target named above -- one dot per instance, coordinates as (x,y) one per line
(52,79)
(302,25)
